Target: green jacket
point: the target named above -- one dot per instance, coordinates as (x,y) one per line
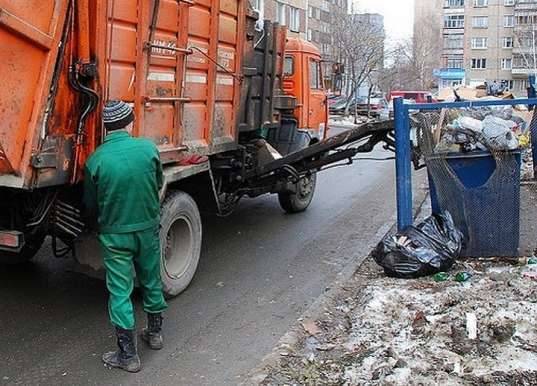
(122,182)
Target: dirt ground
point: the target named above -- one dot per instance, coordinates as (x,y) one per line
(383,331)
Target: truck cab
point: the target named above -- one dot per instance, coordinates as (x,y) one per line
(303,78)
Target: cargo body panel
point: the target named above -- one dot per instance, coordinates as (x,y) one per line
(30,33)
(177,62)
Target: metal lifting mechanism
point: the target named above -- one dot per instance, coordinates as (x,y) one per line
(318,155)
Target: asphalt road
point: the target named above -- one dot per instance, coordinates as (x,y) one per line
(260,269)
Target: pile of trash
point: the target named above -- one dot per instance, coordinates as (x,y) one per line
(430,247)
(484,128)
(476,328)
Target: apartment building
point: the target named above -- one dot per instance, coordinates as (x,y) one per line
(291,13)
(484,41)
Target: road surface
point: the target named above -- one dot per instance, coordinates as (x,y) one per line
(260,269)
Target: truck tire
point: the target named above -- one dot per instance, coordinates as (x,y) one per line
(31,247)
(299,201)
(180,242)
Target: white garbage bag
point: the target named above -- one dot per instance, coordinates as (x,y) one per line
(498,134)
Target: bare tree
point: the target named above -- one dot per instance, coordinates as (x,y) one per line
(423,54)
(360,42)
(411,63)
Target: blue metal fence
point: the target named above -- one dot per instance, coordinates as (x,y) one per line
(403,153)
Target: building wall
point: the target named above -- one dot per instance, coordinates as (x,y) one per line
(493,52)
(496,42)
(291,13)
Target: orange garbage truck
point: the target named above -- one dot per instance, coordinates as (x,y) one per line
(235,111)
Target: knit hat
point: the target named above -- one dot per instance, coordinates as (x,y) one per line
(117,115)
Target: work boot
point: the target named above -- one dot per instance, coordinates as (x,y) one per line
(126,357)
(152,333)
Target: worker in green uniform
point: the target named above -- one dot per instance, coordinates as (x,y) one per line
(122,183)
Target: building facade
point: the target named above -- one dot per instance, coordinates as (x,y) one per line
(484,41)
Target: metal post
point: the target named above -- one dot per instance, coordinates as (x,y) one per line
(533,125)
(403,164)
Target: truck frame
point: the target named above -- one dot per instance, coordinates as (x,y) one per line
(202,82)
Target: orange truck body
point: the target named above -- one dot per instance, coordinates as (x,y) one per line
(202,81)
(180,67)
(184,92)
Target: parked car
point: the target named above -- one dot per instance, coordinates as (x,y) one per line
(418,96)
(334,99)
(339,107)
(376,105)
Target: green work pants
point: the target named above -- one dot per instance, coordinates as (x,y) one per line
(122,251)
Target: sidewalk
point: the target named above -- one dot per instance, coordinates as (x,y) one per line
(377,330)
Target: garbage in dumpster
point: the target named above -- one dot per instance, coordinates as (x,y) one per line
(466,134)
(422,250)
(498,134)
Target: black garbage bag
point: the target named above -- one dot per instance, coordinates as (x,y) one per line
(422,250)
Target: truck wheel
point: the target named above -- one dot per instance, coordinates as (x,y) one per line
(299,201)
(31,247)
(180,242)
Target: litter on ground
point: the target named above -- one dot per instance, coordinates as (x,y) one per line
(388,331)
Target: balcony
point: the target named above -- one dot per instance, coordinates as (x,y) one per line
(520,72)
(450,73)
(525,6)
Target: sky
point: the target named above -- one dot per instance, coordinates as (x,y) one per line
(398,15)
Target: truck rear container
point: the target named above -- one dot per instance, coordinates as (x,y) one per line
(202,81)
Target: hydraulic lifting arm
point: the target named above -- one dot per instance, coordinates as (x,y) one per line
(330,150)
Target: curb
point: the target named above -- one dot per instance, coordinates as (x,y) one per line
(314,311)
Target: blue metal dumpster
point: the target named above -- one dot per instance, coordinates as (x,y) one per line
(484,202)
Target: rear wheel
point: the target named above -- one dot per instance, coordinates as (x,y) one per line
(299,201)
(31,247)
(180,242)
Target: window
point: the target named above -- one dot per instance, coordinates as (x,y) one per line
(479,64)
(310,11)
(520,84)
(522,61)
(525,42)
(318,13)
(479,43)
(281,14)
(310,35)
(509,2)
(455,63)
(315,75)
(525,20)
(507,64)
(289,65)
(508,21)
(480,22)
(453,42)
(507,42)
(294,19)
(454,21)
(481,3)
(453,3)
(258,5)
